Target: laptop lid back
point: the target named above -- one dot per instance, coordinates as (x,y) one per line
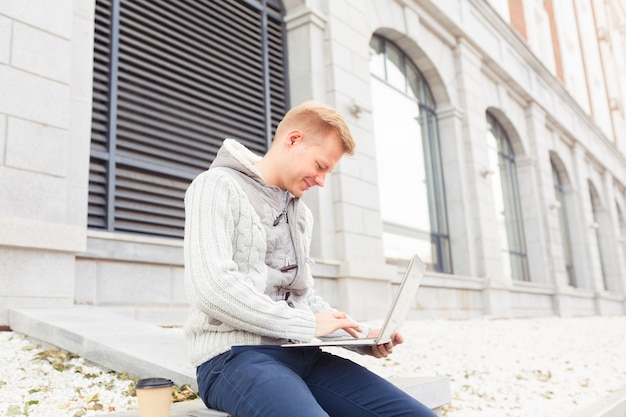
(403,300)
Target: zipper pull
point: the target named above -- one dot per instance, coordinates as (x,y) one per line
(284,212)
(280,217)
(289,303)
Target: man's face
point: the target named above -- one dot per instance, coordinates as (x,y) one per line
(307,162)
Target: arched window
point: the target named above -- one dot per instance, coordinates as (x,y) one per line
(566,241)
(506,197)
(408,155)
(596,209)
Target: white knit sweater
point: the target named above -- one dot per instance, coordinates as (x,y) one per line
(226,270)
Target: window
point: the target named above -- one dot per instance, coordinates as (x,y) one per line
(566,241)
(622,228)
(506,197)
(412,199)
(171,81)
(596,209)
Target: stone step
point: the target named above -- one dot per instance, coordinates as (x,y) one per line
(145,350)
(110,340)
(432,391)
(613,405)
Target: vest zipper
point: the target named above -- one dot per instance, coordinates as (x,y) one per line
(284,212)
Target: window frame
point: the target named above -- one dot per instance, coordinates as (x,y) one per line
(566,241)
(415,87)
(506,174)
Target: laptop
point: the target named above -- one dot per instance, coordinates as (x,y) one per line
(396,315)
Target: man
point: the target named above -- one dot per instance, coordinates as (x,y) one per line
(248,278)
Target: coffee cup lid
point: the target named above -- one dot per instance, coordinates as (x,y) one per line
(153,383)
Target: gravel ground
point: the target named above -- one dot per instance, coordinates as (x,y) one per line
(517,368)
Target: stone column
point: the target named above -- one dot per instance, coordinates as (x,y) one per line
(608,228)
(591,274)
(534,212)
(486,241)
(329,67)
(460,201)
(537,196)
(306,27)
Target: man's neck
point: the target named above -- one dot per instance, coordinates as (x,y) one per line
(264,165)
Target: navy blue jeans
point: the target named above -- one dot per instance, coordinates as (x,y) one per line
(270,381)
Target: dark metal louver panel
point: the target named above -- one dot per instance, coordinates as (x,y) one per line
(148,203)
(277,65)
(96,217)
(187,80)
(189,74)
(97,194)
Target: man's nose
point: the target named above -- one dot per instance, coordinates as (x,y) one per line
(320,179)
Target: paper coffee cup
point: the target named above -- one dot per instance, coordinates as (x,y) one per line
(154,396)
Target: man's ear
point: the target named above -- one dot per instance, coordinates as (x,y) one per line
(294,137)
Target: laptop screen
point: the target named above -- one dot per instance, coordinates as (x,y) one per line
(403,300)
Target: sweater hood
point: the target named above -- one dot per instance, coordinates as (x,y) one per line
(234,155)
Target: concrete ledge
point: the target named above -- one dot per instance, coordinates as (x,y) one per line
(612,406)
(146,350)
(433,392)
(110,340)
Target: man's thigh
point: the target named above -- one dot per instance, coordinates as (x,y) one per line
(344,388)
(259,382)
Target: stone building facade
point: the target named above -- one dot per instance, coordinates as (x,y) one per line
(490,140)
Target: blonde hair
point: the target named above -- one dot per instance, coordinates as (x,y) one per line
(317,121)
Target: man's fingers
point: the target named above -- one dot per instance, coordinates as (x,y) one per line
(346,324)
(379,351)
(328,322)
(352,332)
(397,339)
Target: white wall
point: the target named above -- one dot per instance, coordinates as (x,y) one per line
(45,117)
